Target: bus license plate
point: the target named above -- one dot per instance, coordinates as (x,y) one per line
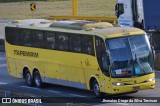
(136,88)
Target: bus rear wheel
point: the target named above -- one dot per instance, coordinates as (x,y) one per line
(28,78)
(38,80)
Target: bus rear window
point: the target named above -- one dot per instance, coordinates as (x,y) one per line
(12,35)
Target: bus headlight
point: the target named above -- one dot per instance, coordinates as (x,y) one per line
(151,79)
(118,83)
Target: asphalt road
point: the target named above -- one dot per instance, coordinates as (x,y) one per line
(63,94)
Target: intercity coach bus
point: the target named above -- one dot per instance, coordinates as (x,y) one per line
(83,54)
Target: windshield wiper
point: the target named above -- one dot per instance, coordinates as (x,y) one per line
(139,63)
(128,62)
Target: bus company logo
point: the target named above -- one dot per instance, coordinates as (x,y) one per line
(26,53)
(6,100)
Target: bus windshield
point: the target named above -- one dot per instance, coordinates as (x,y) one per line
(130,56)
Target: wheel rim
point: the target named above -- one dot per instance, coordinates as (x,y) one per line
(29,79)
(37,80)
(96,89)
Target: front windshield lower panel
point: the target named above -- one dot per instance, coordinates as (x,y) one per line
(130,56)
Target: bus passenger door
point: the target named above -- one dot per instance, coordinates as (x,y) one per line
(103,62)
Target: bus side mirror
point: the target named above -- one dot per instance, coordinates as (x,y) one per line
(108,60)
(119,9)
(105,61)
(153,52)
(116,10)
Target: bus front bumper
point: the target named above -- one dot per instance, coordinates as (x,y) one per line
(132,88)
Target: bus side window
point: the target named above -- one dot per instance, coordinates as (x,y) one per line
(87,45)
(26,37)
(12,35)
(49,40)
(101,55)
(75,43)
(104,62)
(62,40)
(37,38)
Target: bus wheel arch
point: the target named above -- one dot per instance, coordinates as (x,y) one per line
(95,87)
(91,82)
(25,70)
(37,78)
(27,76)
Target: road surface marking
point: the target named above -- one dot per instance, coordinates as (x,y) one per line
(2,83)
(78,95)
(53,91)
(3,65)
(29,87)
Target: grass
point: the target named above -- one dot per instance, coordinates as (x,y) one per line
(21,10)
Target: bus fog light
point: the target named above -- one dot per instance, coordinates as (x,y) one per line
(118,83)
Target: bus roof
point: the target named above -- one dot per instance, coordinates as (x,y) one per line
(103,29)
(119,32)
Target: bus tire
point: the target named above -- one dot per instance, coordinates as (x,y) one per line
(96,89)
(29,79)
(38,80)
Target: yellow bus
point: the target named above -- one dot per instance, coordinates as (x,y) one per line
(83,54)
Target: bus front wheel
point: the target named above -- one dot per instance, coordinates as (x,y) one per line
(37,79)
(96,89)
(29,79)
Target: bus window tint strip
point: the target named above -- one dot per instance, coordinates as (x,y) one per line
(69,42)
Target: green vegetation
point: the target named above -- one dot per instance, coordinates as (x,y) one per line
(45,8)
